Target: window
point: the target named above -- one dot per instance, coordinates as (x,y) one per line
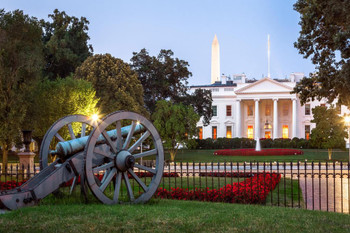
(215,90)
(307,109)
(307,132)
(200,132)
(285,109)
(250,132)
(267,134)
(267,110)
(228,110)
(229,131)
(285,131)
(250,110)
(214,131)
(228,89)
(215,110)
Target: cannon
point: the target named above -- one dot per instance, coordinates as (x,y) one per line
(105,154)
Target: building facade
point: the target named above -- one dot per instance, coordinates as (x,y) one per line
(262,108)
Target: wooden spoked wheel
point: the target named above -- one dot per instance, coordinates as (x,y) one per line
(52,137)
(112,162)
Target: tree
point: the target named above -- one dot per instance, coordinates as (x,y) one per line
(20,65)
(162,77)
(201,101)
(330,130)
(65,40)
(324,37)
(115,83)
(59,98)
(176,124)
(165,78)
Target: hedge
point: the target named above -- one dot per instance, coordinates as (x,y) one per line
(239,143)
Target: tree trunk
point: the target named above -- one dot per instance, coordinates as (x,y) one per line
(172,155)
(329,153)
(4,157)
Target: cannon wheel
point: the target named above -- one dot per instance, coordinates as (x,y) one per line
(45,151)
(121,160)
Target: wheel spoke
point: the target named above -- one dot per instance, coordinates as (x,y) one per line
(128,186)
(109,141)
(146,153)
(71,133)
(108,179)
(105,175)
(98,150)
(151,170)
(138,180)
(130,134)
(141,139)
(59,137)
(119,136)
(103,167)
(117,187)
(83,129)
(74,183)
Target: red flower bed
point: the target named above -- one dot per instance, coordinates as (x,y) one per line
(252,190)
(253,152)
(11,184)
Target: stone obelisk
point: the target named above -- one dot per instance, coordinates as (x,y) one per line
(215,60)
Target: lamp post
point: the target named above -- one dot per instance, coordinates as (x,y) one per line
(347,124)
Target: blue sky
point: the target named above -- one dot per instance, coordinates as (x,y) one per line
(187,27)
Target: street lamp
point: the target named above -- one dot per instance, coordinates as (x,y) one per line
(347,124)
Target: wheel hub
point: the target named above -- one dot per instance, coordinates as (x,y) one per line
(124,160)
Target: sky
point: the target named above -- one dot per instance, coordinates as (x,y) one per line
(187,27)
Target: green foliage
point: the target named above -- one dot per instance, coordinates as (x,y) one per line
(65,40)
(176,124)
(162,77)
(59,98)
(324,37)
(165,77)
(116,85)
(330,130)
(201,100)
(20,64)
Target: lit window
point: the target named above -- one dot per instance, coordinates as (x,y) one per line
(250,110)
(229,131)
(267,134)
(228,110)
(214,132)
(307,132)
(250,133)
(267,110)
(200,132)
(215,110)
(285,131)
(307,109)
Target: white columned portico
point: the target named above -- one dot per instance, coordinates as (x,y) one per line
(238,118)
(257,119)
(294,118)
(275,119)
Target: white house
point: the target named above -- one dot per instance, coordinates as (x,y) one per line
(262,108)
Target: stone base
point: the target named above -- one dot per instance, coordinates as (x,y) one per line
(26,160)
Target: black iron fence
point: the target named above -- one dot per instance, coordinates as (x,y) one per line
(315,186)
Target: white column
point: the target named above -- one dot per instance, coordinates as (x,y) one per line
(294,119)
(238,118)
(275,118)
(257,119)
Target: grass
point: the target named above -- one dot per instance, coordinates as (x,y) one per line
(309,155)
(170,216)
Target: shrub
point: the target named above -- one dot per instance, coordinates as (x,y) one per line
(253,152)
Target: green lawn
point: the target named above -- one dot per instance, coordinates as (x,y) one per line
(207,156)
(170,216)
